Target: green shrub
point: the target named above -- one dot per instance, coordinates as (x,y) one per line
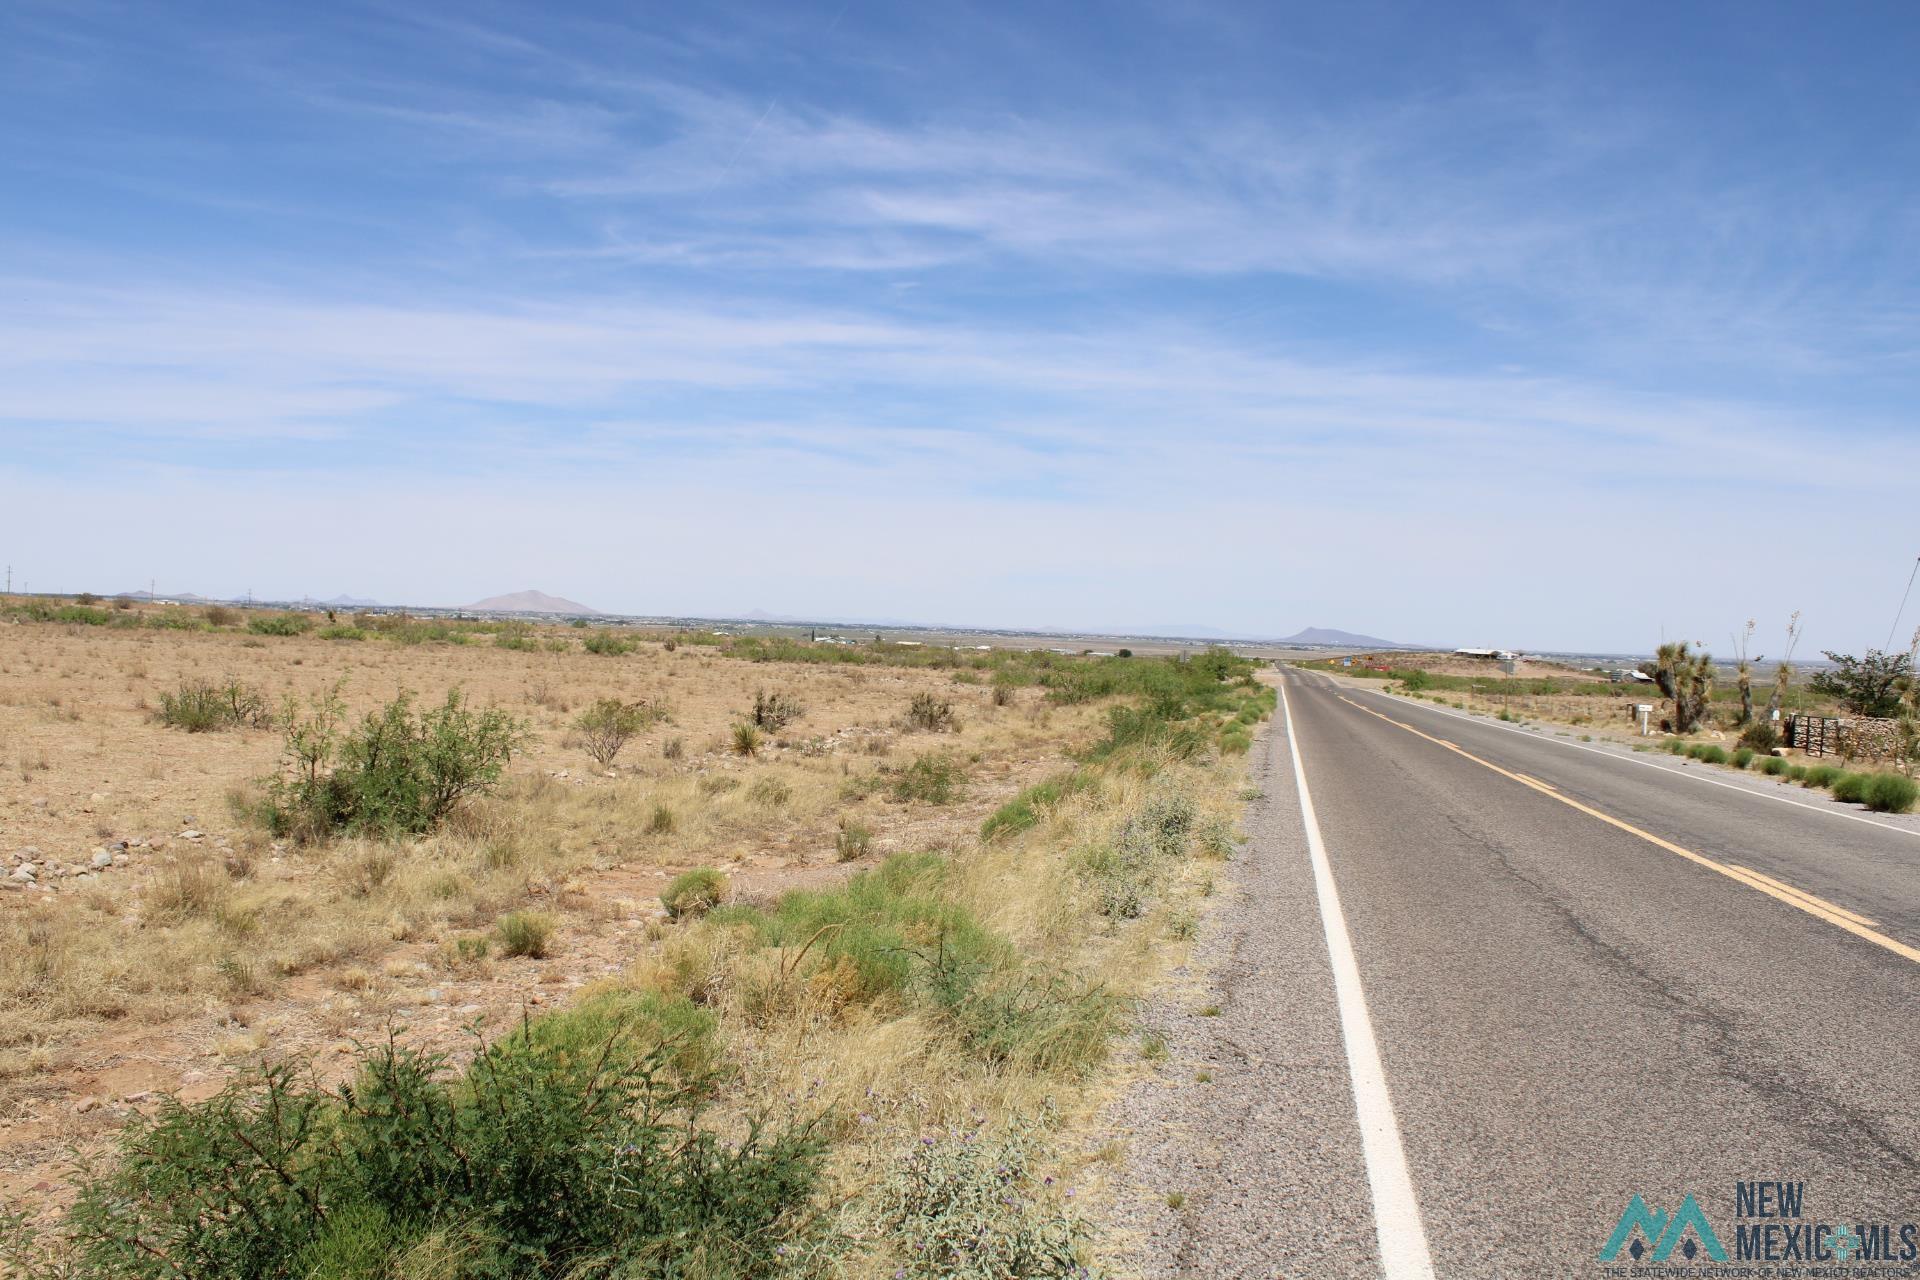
(568,1147)
(518,641)
(607,644)
(1850,787)
(1708,753)
(200,706)
(1674,746)
(972,1208)
(1761,735)
(1820,775)
(220,616)
(930,779)
(1742,758)
(1890,793)
(694,893)
(280,624)
(341,632)
(1797,773)
(931,714)
(745,740)
(661,821)
(1773,766)
(167,620)
(774,711)
(639,1022)
(852,841)
(1125,873)
(526,933)
(395,773)
(609,723)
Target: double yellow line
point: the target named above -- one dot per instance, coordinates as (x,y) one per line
(1837,916)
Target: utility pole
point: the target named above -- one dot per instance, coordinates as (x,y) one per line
(9,579)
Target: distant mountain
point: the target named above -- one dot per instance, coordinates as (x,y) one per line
(528,602)
(350,602)
(1327,635)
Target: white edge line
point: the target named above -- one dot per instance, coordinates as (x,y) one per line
(1648,764)
(1396,1213)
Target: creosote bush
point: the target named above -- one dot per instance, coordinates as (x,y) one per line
(200,706)
(606,727)
(569,1147)
(607,644)
(395,773)
(280,624)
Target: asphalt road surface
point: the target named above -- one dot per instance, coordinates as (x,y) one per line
(1574,979)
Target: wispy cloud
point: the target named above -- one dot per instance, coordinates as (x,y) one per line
(1132,309)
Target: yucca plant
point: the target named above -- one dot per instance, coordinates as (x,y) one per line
(1685,679)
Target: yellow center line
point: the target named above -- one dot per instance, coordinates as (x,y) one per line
(1799,899)
(1802,893)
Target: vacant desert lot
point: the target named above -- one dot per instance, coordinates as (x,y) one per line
(167,944)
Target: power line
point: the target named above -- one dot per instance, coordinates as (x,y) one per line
(1888,647)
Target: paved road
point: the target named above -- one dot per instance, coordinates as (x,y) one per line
(1579,991)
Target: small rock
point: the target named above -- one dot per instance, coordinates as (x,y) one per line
(102,859)
(85,1105)
(24,872)
(193,835)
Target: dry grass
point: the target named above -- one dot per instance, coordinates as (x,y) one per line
(148,964)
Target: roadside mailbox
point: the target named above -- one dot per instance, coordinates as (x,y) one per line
(1643,711)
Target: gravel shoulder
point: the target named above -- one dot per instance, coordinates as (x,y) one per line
(1256,1171)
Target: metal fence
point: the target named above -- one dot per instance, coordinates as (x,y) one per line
(1815,735)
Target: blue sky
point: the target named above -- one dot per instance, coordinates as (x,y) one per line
(1546,325)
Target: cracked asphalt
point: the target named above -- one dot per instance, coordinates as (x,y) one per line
(1568,1014)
